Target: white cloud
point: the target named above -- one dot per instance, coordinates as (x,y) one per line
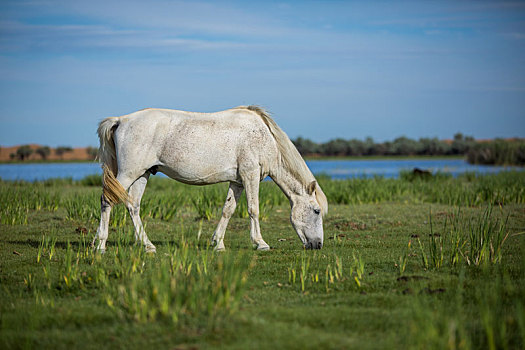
(208,18)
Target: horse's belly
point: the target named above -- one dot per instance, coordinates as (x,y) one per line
(202,151)
(199,173)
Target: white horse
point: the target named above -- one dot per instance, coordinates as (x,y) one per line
(242,145)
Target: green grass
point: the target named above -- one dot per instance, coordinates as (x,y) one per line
(408,263)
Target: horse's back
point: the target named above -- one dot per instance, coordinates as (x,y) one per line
(197,148)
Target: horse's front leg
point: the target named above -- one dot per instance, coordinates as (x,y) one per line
(251,184)
(234,193)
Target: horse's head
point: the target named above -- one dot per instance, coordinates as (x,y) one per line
(307,216)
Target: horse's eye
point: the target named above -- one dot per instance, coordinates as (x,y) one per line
(317,211)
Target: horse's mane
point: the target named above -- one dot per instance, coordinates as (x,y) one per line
(290,157)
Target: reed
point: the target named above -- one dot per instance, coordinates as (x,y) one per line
(187,284)
(17,201)
(471,316)
(85,208)
(308,268)
(464,239)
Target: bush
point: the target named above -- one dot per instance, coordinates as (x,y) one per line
(91,180)
(498,152)
(44,152)
(23,152)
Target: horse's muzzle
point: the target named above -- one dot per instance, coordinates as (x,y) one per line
(313,245)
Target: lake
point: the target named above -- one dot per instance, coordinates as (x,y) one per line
(337,169)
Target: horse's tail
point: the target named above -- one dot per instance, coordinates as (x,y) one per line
(113,191)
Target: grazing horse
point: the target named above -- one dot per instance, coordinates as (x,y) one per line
(241,145)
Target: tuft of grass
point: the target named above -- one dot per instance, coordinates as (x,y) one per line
(311,271)
(186,285)
(499,189)
(94,180)
(208,202)
(472,315)
(470,240)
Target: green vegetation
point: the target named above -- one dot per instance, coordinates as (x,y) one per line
(23,152)
(499,151)
(416,262)
(59,151)
(43,152)
(92,152)
(496,152)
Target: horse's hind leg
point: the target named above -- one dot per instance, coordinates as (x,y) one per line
(136,191)
(103,228)
(105,211)
(234,193)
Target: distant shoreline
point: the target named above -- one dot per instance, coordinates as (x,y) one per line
(35,153)
(497,152)
(54,161)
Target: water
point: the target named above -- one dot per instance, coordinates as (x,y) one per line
(43,171)
(390,168)
(337,169)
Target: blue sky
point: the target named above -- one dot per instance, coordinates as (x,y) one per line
(325,69)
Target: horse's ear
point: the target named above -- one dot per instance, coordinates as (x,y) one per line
(311,187)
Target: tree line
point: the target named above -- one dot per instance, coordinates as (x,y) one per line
(494,152)
(498,151)
(25,151)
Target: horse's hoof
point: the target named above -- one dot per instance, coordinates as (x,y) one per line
(151,250)
(263,247)
(219,247)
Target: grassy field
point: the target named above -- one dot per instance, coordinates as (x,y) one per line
(407,263)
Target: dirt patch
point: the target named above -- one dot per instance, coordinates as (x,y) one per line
(443,214)
(347,225)
(411,278)
(81,230)
(428,290)
(341,235)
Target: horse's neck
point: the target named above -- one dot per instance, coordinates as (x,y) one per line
(288,183)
